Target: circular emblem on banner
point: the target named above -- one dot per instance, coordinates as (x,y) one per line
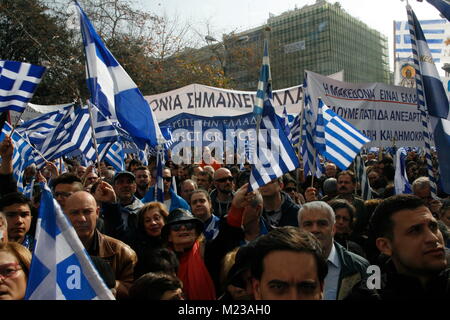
(408,71)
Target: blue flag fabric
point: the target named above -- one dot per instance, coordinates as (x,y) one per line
(61,268)
(294,131)
(69,132)
(116,157)
(342,140)
(432,102)
(114,92)
(36,130)
(401,182)
(442,6)
(24,154)
(18,82)
(312,145)
(264,91)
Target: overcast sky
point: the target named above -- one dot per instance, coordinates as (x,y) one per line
(238,15)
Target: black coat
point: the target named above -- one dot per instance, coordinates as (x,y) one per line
(395,286)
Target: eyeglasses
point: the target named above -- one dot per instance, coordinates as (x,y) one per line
(62,194)
(290,190)
(9,270)
(167,179)
(225,179)
(177,227)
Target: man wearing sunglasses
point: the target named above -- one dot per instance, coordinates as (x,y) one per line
(171,199)
(222,195)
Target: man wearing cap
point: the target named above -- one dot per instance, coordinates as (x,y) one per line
(120,206)
(171,199)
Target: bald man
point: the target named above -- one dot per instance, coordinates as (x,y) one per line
(82,211)
(222,195)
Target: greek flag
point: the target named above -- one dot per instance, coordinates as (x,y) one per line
(114,92)
(37,129)
(343,141)
(361,176)
(72,135)
(286,125)
(18,82)
(294,131)
(264,92)
(442,6)
(24,154)
(116,157)
(61,268)
(401,182)
(159,188)
(432,102)
(313,141)
(274,156)
(28,189)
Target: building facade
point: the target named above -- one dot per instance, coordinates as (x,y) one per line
(322,38)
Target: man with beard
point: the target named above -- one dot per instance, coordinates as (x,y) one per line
(222,195)
(345,268)
(405,230)
(142,181)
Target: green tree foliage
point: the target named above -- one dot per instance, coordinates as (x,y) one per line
(152,49)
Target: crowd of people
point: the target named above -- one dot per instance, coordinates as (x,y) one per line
(211,239)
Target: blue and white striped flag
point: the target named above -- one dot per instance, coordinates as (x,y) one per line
(18,82)
(294,131)
(433,104)
(401,182)
(159,187)
(286,124)
(37,129)
(61,268)
(116,157)
(361,177)
(313,141)
(73,135)
(343,141)
(274,155)
(442,6)
(114,92)
(28,189)
(24,154)
(264,91)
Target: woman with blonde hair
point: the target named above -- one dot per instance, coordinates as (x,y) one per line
(15,262)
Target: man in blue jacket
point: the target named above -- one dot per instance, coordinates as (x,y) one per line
(171,199)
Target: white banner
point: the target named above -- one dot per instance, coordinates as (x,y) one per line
(383,113)
(210,101)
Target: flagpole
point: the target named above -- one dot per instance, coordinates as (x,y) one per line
(94,141)
(300,141)
(15,125)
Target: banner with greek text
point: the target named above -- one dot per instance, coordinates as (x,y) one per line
(212,102)
(384,113)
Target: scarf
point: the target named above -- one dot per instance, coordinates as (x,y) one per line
(197,283)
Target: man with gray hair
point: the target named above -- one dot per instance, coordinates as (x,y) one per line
(421,187)
(345,269)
